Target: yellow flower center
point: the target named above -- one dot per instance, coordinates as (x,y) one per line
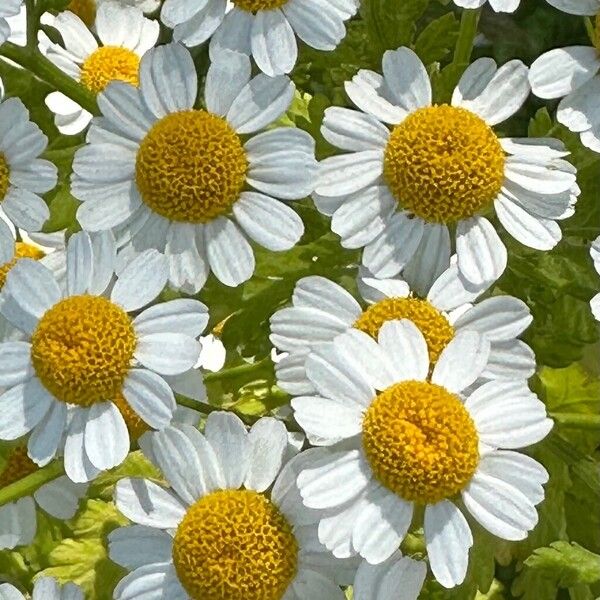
(110,63)
(434,326)
(84,9)
(135,425)
(256,5)
(444,163)
(18,465)
(420,441)
(4,176)
(22,250)
(235,545)
(82,349)
(191,167)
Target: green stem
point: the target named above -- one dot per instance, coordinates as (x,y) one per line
(577,421)
(466,36)
(234,372)
(28,485)
(33,17)
(39,65)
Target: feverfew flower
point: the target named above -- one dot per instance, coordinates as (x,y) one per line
(86,10)
(23,176)
(9,8)
(400,190)
(44,588)
(408,437)
(595,254)
(573,74)
(125,35)
(232,525)
(264,29)
(87,367)
(322,310)
(184,180)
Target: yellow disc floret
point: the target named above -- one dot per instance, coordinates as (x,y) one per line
(18,465)
(191,167)
(255,5)
(434,326)
(110,63)
(4,176)
(82,349)
(444,163)
(420,441)
(84,9)
(235,545)
(22,250)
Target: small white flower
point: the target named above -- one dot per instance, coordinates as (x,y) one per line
(169,176)
(595,254)
(232,521)
(322,310)
(8,8)
(573,74)
(124,34)
(507,6)
(264,29)
(44,588)
(400,190)
(23,176)
(88,370)
(406,437)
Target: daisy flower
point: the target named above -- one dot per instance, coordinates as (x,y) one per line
(18,520)
(218,532)
(124,34)
(169,176)
(573,74)
(410,438)
(401,191)
(44,588)
(85,355)
(9,8)
(507,6)
(322,309)
(264,29)
(23,176)
(595,254)
(86,10)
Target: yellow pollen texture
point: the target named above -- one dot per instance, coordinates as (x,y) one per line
(135,425)
(191,167)
(18,465)
(4,176)
(82,349)
(434,326)
(22,250)
(444,164)
(110,63)
(235,545)
(420,441)
(84,9)
(256,5)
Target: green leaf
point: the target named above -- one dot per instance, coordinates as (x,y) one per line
(567,564)
(437,39)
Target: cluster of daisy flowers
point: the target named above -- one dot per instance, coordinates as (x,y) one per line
(410,411)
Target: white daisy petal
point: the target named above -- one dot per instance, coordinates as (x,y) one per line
(167,353)
(273,42)
(268,445)
(182,315)
(146,503)
(104,253)
(232,34)
(190,384)
(353,130)
(334,479)
(106,437)
(291,375)
(184,248)
(229,253)
(202,25)
(541,175)
(15,363)
(398,578)
(150,397)
(406,350)
(263,100)
(512,359)
(448,538)
(228,436)
(373,290)
(474,80)
(39,176)
(80,263)
(77,37)
(451,290)
(270,223)
(482,256)
(322,294)
(138,545)
(462,361)
(151,582)
(46,438)
(60,497)
(17,524)
(77,465)
(22,407)
(407,79)
(225,79)
(349,173)
(141,280)
(25,209)
(314,585)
